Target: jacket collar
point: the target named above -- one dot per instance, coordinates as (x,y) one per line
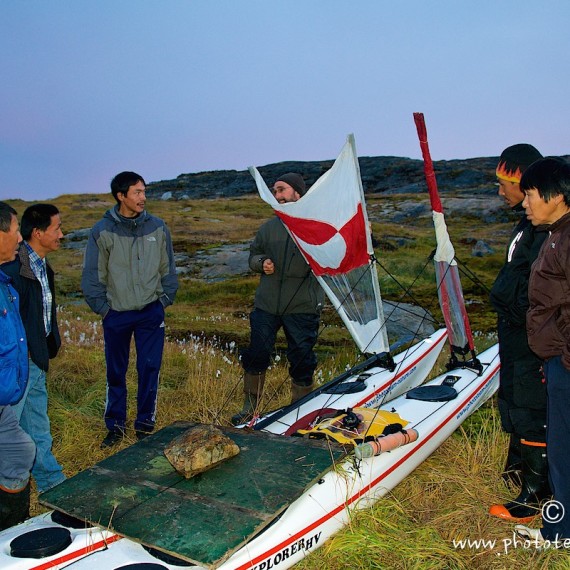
(559,223)
(25,264)
(114,214)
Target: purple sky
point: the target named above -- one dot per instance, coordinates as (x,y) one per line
(164,87)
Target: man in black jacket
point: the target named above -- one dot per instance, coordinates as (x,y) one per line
(33,278)
(522,391)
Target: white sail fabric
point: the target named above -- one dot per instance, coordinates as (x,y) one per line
(330,227)
(449,288)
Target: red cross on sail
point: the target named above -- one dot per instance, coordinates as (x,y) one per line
(330,250)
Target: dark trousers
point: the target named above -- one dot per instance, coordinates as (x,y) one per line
(557,438)
(522,391)
(147,326)
(301,331)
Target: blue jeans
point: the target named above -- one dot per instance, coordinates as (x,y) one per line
(32,413)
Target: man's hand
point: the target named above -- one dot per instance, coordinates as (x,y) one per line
(268,267)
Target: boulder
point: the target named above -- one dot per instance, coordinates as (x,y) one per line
(482,249)
(198,449)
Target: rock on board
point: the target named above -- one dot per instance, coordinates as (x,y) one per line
(198,449)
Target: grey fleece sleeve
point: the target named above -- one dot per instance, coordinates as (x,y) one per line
(93,276)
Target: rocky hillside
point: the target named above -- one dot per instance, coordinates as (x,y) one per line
(388,174)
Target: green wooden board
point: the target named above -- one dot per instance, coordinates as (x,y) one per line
(138,494)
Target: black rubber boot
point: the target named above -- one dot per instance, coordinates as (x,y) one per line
(252,388)
(14,507)
(534,489)
(512,473)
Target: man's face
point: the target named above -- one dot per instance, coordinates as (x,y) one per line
(540,212)
(284,193)
(511,192)
(48,240)
(132,203)
(9,241)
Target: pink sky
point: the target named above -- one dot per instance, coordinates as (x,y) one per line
(165,87)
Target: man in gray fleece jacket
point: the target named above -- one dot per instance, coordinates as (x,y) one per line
(129,277)
(288,296)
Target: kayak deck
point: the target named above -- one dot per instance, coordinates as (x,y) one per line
(138,494)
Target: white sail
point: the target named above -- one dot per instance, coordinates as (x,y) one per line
(330,227)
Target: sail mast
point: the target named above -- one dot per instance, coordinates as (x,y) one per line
(449,288)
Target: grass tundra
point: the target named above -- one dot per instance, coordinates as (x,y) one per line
(437,517)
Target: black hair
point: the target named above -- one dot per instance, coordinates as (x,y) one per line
(6,215)
(37,216)
(515,159)
(550,176)
(123,181)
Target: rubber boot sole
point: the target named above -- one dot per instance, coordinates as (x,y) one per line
(502,512)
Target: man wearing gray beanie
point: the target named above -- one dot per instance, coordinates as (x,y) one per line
(288,297)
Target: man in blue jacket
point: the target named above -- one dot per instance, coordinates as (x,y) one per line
(17,450)
(33,278)
(129,277)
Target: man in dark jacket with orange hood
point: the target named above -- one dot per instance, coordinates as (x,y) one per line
(522,392)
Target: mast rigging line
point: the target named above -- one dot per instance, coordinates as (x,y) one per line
(406,291)
(383,359)
(471,275)
(467,272)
